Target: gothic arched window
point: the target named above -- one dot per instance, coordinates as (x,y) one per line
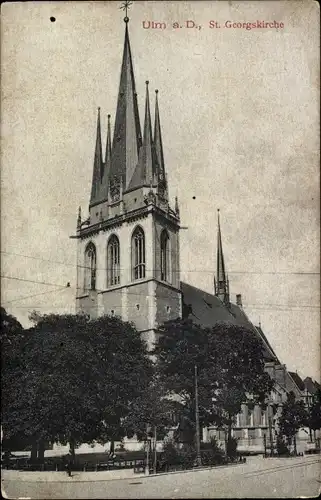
(90,267)
(164,243)
(113,261)
(138,254)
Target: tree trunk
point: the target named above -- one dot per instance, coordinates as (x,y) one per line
(41,451)
(34,452)
(72,449)
(112,447)
(229,431)
(289,443)
(294,445)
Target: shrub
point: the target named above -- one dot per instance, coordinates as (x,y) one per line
(187,456)
(231,448)
(212,453)
(170,454)
(281,446)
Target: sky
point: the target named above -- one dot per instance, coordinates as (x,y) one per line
(240,119)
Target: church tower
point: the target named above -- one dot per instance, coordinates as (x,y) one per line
(128,247)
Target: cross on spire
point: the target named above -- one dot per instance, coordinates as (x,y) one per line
(125,6)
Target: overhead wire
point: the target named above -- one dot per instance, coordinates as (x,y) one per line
(208,270)
(271,306)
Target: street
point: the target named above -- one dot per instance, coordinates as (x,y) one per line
(269,478)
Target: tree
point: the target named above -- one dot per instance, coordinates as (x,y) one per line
(182,345)
(80,379)
(12,337)
(151,410)
(10,326)
(238,355)
(230,371)
(293,417)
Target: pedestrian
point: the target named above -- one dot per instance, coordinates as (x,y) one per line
(68,463)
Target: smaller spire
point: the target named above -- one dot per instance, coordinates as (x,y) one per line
(176,206)
(98,164)
(79,218)
(222,284)
(121,188)
(143,174)
(159,154)
(109,191)
(108,143)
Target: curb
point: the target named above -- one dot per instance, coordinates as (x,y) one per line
(133,478)
(195,469)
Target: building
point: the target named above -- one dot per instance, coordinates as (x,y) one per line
(128,261)
(128,248)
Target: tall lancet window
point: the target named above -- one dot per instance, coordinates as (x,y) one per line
(138,254)
(164,242)
(90,267)
(113,260)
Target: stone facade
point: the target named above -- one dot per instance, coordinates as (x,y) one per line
(148,301)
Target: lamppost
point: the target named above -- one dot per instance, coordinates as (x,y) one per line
(148,441)
(197,421)
(155,449)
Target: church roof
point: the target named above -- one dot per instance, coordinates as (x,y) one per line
(297,380)
(206,310)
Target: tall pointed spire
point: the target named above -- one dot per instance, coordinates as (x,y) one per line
(127,131)
(221,282)
(98,165)
(144,172)
(158,141)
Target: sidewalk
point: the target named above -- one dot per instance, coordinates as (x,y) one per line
(252,463)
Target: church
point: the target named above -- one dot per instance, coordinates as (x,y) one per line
(128,259)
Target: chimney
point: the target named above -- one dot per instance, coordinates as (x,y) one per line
(239,300)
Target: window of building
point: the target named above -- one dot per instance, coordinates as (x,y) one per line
(113,261)
(263,417)
(90,267)
(138,254)
(164,242)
